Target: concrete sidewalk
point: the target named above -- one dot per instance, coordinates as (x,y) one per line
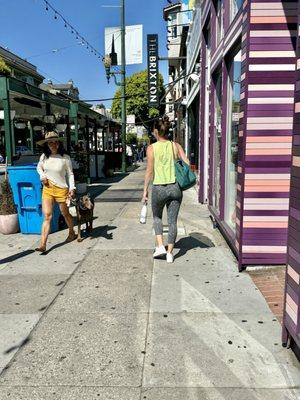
(101,320)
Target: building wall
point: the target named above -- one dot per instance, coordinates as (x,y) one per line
(292,292)
(267,31)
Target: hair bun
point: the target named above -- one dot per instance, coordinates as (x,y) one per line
(162,124)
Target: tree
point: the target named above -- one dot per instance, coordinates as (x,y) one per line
(131,138)
(4,68)
(101,105)
(137,99)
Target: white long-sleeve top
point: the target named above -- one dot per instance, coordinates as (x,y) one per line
(57,169)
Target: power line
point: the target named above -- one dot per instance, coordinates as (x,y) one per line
(171,84)
(53,51)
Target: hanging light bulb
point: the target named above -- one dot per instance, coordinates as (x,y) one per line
(55,15)
(47,8)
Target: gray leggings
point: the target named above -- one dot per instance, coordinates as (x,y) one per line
(171,196)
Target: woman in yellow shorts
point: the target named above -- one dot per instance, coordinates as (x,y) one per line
(54,167)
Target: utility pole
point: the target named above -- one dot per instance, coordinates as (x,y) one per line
(123,88)
(108,63)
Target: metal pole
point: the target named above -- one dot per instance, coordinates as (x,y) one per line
(123,88)
(87,149)
(68,136)
(96,147)
(31,136)
(4,95)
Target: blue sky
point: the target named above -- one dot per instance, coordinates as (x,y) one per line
(30,31)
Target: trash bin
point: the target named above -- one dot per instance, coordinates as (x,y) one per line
(26,187)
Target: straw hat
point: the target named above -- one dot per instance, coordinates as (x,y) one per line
(50,137)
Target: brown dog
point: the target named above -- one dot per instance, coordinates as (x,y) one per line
(85,212)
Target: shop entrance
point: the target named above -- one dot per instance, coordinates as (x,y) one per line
(217,132)
(194,133)
(232,135)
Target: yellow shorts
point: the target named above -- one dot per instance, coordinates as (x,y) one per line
(52,192)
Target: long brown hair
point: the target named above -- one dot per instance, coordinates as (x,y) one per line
(61,151)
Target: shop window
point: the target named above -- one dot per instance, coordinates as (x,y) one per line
(219,22)
(217,79)
(235,5)
(234,89)
(30,80)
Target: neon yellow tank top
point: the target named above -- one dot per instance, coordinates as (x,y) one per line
(164,169)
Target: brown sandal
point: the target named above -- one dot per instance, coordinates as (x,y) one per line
(41,249)
(70,238)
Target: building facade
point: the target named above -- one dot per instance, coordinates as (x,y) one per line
(192,83)
(177,25)
(246,123)
(20,68)
(291,318)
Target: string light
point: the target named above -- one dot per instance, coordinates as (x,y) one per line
(83,41)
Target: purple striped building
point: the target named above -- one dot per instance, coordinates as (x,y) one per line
(246,122)
(291,324)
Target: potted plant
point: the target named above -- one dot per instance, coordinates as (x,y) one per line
(8,214)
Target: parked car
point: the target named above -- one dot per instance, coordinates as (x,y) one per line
(23,151)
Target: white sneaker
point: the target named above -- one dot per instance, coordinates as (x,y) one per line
(159,251)
(170,258)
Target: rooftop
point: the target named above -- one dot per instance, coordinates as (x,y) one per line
(16,61)
(167,10)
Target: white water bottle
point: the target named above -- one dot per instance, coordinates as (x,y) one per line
(143,216)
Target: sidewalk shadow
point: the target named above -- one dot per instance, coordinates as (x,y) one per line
(56,246)
(15,257)
(18,346)
(103,231)
(192,241)
(100,231)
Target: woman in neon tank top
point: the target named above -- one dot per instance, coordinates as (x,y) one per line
(165,190)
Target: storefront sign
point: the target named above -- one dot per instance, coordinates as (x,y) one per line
(131,119)
(152,43)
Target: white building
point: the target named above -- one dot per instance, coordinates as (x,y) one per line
(177,28)
(193,44)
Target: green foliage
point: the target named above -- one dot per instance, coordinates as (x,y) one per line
(131,138)
(4,68)
(7,205)
(144,139)
(137,87)
(101,105)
